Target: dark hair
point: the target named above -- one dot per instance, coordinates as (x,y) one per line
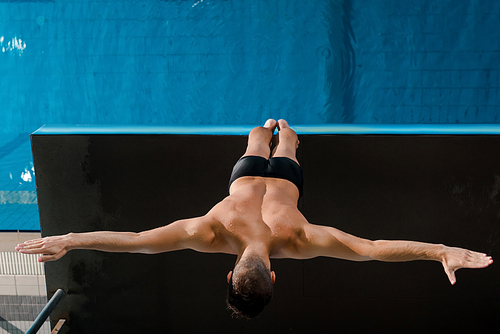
(253,291)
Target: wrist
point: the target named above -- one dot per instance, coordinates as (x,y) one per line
(70,242)
(440,252)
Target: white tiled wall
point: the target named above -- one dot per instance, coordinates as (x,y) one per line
(21,279)
(23,326)
(22,285)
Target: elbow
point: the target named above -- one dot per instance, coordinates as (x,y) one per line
(140,244)
(372,250)
(366,251)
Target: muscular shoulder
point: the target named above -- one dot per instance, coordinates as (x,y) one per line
(289,229)
(294,244)
(328,241)
(199,232)
(207,235)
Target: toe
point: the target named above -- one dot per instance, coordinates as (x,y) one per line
(270,124)
(282,124)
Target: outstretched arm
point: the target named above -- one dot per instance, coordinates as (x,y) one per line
(328,241)
(452,258)
(194,233)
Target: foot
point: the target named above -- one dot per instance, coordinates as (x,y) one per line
(271,125)
(282,124)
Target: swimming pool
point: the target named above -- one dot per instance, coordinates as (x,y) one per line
(236,63)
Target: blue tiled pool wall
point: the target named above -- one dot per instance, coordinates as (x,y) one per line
(18,204)
(165,62)
(236,62)
(426,62)
(240,62)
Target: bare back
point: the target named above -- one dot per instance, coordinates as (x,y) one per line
(257,210)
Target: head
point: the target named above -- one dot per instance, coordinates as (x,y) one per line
(250,287)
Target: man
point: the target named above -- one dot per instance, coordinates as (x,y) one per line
(259,220)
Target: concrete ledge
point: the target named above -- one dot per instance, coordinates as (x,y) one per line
(348,129)
(439,189)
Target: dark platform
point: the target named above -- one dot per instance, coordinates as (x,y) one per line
(441,189)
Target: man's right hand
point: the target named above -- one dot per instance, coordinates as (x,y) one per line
(52,248)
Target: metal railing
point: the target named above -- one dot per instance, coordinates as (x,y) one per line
(46,311)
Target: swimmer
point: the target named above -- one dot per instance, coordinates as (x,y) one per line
(259,220)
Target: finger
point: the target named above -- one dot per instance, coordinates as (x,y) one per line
(33,249)
(41,249)
(50,257)
(45,258)
(25,247)
(33,241)
(30,243)
(478,261)
(451,275)
(34,246)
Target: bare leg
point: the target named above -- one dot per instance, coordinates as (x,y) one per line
(260,138)
(287,142)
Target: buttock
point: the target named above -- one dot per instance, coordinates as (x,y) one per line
(276,167)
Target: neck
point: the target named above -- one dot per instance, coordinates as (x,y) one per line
(256,249)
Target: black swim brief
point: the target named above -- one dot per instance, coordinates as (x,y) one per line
(279,167)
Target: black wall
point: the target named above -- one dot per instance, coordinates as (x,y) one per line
(440,189)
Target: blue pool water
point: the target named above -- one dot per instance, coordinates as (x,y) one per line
(228,62)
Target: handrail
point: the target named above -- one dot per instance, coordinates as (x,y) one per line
(49,307)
